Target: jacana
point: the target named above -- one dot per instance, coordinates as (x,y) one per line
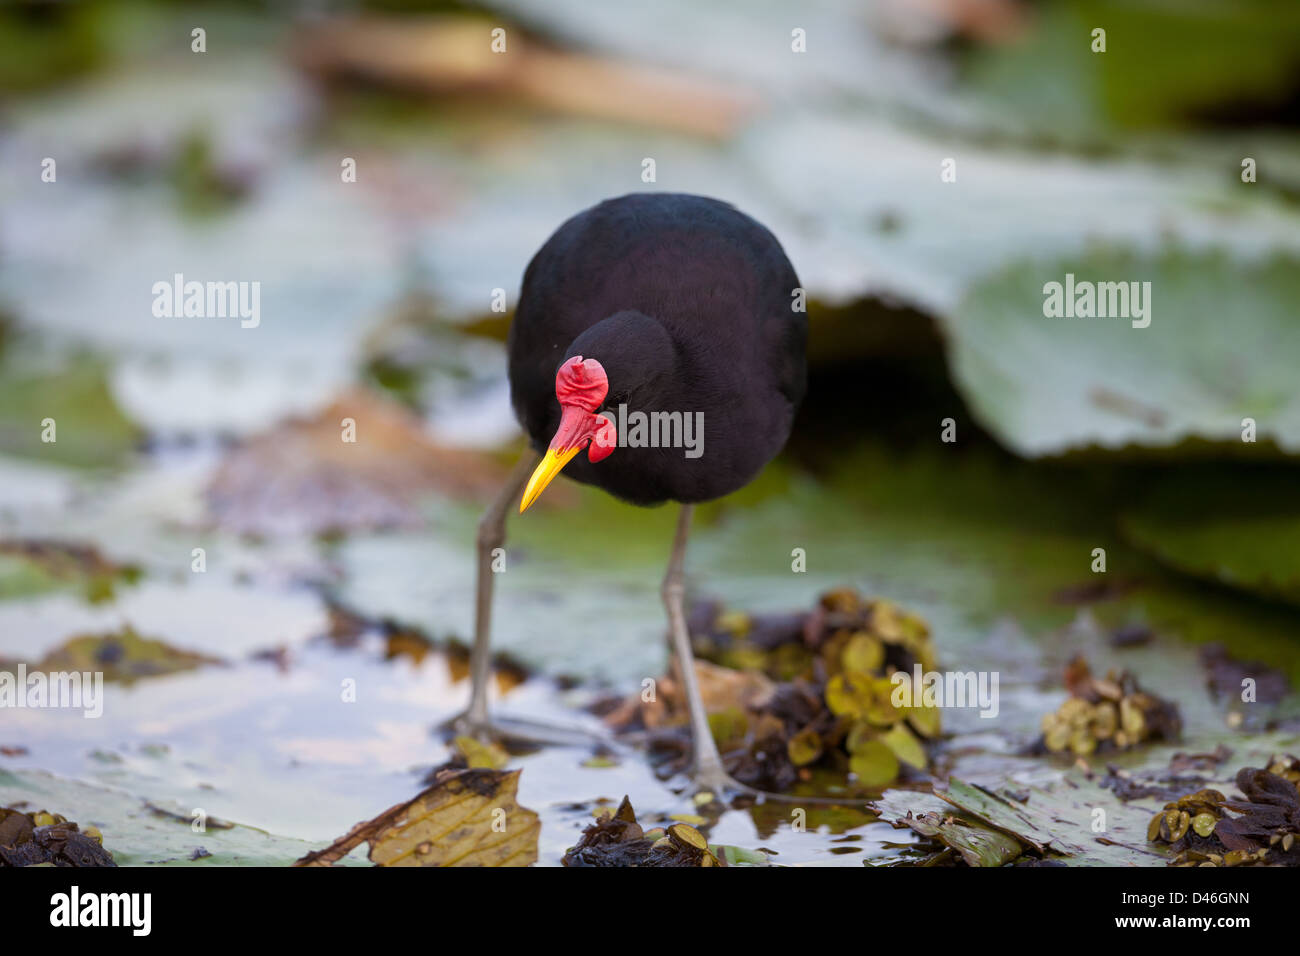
(656,304)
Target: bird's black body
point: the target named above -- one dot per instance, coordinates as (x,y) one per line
(687,303)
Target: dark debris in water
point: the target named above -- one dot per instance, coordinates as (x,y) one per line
(1131,635)
(1205,828)
(617,839)
(346,627)
(1184,772)
(1235,682)
(44,838)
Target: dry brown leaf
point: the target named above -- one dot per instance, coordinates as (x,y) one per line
(301,477)
(722,688)
(467,818)
(444,56)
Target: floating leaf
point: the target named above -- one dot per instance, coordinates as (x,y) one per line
(1107,714)
(467,818)
(924,720)
(1061,820)
(804,747)
(136,834)
(688,835)
(122,655)
(1262,830)
(978,845)
(834,669)
(1044,385)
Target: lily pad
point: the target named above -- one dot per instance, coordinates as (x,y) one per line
(978,846)
(122,656)
(1064,820)
(1218,350)
(137,835)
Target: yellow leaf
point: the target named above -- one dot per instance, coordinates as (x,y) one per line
(874,764)
(481,756)
(467,818)
(905,746)
(863,654)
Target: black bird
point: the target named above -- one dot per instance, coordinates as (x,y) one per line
(677,307)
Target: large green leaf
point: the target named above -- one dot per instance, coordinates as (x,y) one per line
(1220,348)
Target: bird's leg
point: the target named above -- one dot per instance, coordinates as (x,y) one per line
(709,773)
(475,722)
(491,535)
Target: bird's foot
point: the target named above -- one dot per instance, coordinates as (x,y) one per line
(713,779)
(509,731)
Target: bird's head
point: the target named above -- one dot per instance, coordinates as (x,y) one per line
(580,386)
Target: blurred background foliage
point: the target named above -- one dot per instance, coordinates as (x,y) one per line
(925,299)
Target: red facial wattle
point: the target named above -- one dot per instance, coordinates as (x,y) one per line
(580,387)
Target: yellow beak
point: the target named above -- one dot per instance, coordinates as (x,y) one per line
(545,472)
